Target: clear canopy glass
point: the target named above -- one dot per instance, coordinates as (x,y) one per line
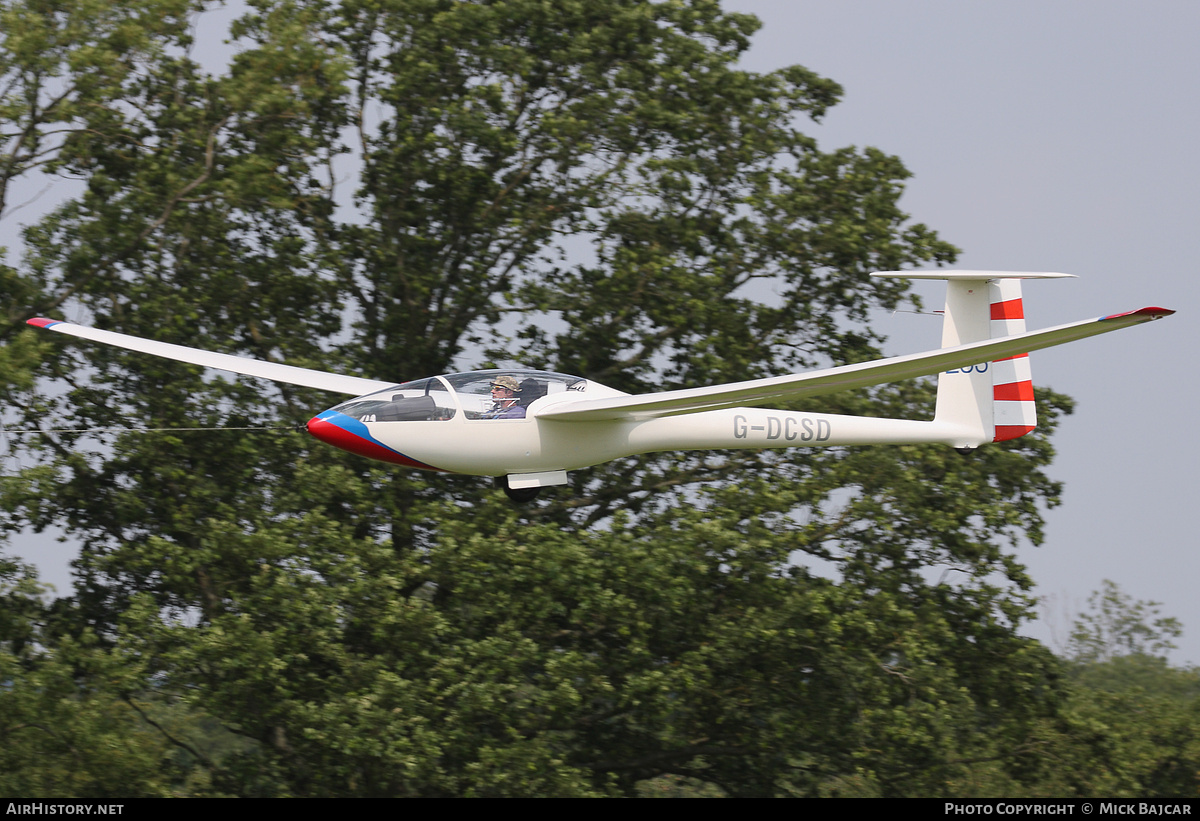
(439,398)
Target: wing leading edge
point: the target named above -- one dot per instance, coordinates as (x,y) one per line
(321,380)
(846,377)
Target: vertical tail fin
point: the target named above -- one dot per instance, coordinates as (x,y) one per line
(964,395)
(990,401)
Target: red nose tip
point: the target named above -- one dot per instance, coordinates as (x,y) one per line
(336,435)
(318,427)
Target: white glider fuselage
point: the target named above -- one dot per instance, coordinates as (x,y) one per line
(498,447)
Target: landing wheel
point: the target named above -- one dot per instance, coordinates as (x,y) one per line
(519,495)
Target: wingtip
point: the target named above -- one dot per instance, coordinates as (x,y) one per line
(42,322)
(1148,313)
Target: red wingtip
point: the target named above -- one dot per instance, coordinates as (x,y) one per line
(42,322)
(1151,313)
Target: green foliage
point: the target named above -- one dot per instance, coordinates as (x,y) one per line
(65,728)
(1119,627)
(1132,726)
(514,658)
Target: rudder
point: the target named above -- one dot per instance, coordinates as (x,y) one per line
(1014,412)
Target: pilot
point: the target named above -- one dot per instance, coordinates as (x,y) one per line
(506,403)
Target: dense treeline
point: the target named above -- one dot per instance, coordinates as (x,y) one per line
(396,188)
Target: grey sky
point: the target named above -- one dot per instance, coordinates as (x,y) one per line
(1051,136)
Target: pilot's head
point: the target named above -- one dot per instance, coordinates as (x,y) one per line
(505,390)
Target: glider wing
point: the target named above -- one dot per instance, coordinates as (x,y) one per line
(336,383)
(846,377)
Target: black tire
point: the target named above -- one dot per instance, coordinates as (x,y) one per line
(520,496)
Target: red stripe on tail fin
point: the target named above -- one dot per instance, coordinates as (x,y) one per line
(1009,309)
(1014,392)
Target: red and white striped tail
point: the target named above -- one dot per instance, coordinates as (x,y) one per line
(1014,413)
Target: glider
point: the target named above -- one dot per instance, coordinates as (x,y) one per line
(528,428)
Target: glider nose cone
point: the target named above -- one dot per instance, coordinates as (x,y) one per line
(326,427)
(349,434)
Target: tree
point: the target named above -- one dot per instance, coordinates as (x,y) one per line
(1119,626)
(1130,726)
(65,728)
(592,187)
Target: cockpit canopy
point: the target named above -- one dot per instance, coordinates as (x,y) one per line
(440,398)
